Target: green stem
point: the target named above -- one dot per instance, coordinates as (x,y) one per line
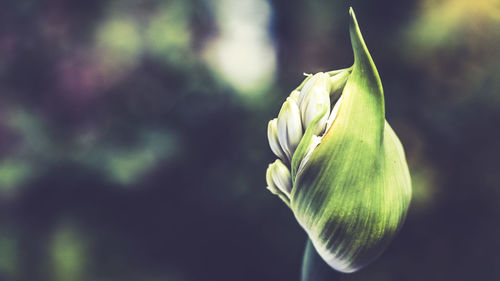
(314,268)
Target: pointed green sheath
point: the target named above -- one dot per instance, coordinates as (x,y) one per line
(354,191)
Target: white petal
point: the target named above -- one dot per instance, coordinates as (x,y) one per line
(289,127)
(272,136)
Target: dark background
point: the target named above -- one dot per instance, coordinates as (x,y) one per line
(133,135)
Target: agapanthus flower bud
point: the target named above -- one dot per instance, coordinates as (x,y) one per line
(295,96)
(314,100)
(272,135)
(289,127)
(278,180)
(338,79)
(348,181)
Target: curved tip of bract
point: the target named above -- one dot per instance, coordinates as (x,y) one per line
(353,24)
(362,57)
(351,12)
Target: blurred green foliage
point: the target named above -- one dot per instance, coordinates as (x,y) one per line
(133,134)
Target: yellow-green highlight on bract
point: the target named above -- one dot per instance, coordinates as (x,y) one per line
(350,182)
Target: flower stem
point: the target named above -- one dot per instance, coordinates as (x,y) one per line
(314,268)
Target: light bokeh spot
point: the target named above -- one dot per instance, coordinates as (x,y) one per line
(121,38)
(168,35)
(13,173)
(8,255)
(242,54)
(68,252)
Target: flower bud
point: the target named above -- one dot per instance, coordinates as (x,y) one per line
(314,100)
(295,96)
(289,127)
(278,180)
(272,136)
(319,79)
(338,79)
(350,184)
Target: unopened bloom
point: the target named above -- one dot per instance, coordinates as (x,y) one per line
(341,168)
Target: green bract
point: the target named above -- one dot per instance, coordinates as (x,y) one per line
(343,171)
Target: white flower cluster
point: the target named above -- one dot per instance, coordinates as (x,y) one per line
(307,108)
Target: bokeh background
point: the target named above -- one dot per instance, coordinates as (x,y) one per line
(133,135)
